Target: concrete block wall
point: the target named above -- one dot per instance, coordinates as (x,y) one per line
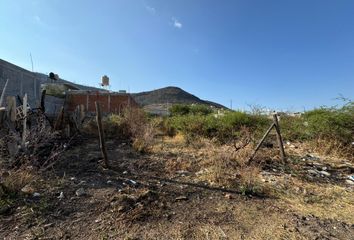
(21,81)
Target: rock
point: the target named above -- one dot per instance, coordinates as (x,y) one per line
(80,192)
(350,182)
(28,189)
(36,195)
(324,173)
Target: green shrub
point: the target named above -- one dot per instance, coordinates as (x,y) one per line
(223,127)
(322,123)
(179,109)
(200,109)
(195,109)
(331,123)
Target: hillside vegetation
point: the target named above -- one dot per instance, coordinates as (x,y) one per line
(329,127)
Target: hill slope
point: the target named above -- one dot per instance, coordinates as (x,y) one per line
(169,95)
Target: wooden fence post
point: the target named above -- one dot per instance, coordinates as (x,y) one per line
(11,108)
(101,134)
(42,106)
(60,119)
(275,124)
(279,138)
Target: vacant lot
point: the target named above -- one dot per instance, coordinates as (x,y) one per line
(175,192)
(179,187)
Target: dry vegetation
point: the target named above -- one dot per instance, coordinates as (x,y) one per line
(170,180)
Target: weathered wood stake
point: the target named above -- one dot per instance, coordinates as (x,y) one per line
(42,106)
(60,119)
(275,124)
(101,134)
(279,138)
(260,142)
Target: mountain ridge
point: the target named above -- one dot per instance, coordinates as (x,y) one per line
(170,95)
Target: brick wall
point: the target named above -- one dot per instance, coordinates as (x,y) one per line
(109,102)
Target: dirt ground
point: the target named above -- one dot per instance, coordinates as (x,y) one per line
(163,195)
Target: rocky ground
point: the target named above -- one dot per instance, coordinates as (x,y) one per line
(167,195)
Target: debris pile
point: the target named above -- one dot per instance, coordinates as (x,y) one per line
(27,137)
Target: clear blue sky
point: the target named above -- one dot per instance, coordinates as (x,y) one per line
(282,54)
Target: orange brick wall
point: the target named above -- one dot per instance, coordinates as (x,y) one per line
(113,103)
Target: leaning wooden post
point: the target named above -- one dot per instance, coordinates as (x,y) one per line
(101,134)
(279,138)
(260,142)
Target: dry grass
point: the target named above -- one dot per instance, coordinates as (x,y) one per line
(333,148)
(16,180)
(321,200)
(219,165)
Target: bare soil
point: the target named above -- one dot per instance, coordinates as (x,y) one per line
(160,196)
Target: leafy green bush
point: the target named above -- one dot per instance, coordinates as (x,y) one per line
(223,126)
(184,109)
(324,123)
(335,124)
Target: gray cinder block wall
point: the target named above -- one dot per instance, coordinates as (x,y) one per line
(21,81)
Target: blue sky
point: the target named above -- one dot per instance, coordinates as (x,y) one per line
(282,54)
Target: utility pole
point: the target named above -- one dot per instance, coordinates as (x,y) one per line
(31,61)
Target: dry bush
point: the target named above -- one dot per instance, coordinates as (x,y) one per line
(143,140)
(332,147)
(249,181)
(242,138)
(132,125)
(16,180)
(142,130)
(114,126)
(229,168)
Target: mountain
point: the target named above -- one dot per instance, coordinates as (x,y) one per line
(169,95)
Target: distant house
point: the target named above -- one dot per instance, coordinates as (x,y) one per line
(59,92)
